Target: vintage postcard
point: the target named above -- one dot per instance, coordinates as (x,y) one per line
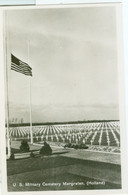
(63,88)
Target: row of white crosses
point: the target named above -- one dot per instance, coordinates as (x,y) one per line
(64,133)
(96,129)
(56,131)
(107,134)
(116,127)
(88,127)
(43,131)
(78,135)
(68,135)
(18,132)
(87,135)
(21,132)
(40,130)
(93,137)
(100,138)
(116,139)
(13,132)
(69,132)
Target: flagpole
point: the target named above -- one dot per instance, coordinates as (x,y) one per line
(31,133)
(7,95)
(30,104)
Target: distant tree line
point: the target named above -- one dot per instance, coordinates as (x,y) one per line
(21,123)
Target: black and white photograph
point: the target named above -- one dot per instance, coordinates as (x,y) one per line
(62,122)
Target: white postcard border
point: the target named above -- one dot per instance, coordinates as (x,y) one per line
(123,106)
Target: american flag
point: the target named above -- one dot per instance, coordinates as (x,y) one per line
(20,66)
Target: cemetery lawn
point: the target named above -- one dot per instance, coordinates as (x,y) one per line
(31,171)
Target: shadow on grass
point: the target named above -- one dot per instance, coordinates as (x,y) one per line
(16,151)
(35,155)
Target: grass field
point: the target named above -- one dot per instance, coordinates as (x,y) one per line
(51,170)
(14,167)
(68,178)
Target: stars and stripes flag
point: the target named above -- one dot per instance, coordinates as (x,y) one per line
(20,66)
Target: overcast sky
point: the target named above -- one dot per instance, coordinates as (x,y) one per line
(73,57)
